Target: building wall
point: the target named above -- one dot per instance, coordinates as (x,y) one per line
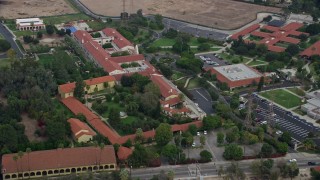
(59,171)
(84,138)
(99,87)
(234,84)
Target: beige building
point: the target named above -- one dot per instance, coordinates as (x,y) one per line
(81,132)
(92,85)
(58,162)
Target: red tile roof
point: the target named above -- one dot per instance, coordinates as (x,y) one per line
(119,40)
(314,49)
(260,34)
(290,40)
(131,58)
(78,108)
(292,26)
(82,36)
(100,80)
(165,88)
(59,158)
(276,48)
(171,102)
(124,152)
(67,88)
(270,28)
(245,31)
(80,128)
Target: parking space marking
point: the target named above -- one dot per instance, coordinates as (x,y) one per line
(202,95)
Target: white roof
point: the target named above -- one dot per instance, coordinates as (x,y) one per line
(237,72)
(25,22)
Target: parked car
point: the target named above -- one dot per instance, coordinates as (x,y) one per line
(292,160)
(193,144)
(198,133)
(205,132)
(311,163)
(279,132)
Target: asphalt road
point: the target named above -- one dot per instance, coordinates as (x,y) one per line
(297,127)
(10,38)
(206,169)
(203,99)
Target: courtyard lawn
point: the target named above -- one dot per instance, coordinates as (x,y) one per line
(176,75)
(129,120)
(297,91)
(4,62)
(282,97)
(163,42)
(65,18)
(193,83)
(233,59)
(96,25)
(46,59)
(257,63)
(194,42)
(111,105)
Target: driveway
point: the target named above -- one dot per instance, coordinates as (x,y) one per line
(11,39)
(203,99)
(212,57)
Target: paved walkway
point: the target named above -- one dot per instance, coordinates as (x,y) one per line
(187,82)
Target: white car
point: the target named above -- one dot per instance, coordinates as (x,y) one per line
(292,160)
(264,122)
(198,133)
(193,144)
(279,132)
(205,132)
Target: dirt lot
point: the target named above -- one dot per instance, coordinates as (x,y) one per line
(11,9)
(223,14)
(30,128)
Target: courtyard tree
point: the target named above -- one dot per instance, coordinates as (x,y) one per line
(50,29)
(139,135)
(193,129)
(4,45)
(79,89)
(220,138)
(266,150)
(212,122)
(171,152)
(206,156)
(202,140)
(285,137)
(292,49)
(308,144)
(233,151)
(234,172)
(163,134)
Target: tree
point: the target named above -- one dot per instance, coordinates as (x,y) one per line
(39,35)
(220,138)
(163,134)
(206,156)
(292,49)
(262,168)
(282,147)
(124,175)
(204,47)
(27,39)
(233,151)
(4,45)
(79,89)
(165,70)
(293,170)
(139,135)
(266,150)
(232,135)
(260,85)
(212,122)
(234,172)
(193,129)
(11,54)
(313,29)
(271,56)
(285,137)
(202,140)
(50,29)
(170,175)
(308,144)
(171,152)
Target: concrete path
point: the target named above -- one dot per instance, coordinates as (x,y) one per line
(187,82)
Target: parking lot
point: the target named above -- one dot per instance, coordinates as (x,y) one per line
(203,99)
(297,127)
(214,60)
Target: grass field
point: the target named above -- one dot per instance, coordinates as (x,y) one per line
(233,59)
(4,62)
(176,75)
(297,91)
(193,83)
(282,97)
(46,59)
(96,25)
(65,18)
(257,62)
(163,42)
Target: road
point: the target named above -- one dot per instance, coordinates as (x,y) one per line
(11,39)
(297,127)
(209,168)
(203,99)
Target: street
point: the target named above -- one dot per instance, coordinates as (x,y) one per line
(10,38)
(211,168)
(203,100)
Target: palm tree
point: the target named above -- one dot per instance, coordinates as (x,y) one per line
(101,148)
(20,155)
(28,150)
(308,144)
(171,175)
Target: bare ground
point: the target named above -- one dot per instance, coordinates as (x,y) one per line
(223,14)
(11,9)
(31,126)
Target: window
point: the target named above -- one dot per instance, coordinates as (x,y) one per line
(84,169)
(111,166)
(73,170)
(32,174)
(78,169)
(7,177)
(44,173)
(26,175)
(61,170)
(106,167)
(100,167)
(67,170)
(50,172)
(14,176)
(38,173)
(56,171)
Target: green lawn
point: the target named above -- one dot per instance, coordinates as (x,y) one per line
(233,59)
(129,120)
(4,62)
(176,75)
(65,18)
(96,25)
(111,105)
(257,62)
(193,83)
(46,59)
(297,91)
(282,97)
(60,107)
(163,42)
(194,42)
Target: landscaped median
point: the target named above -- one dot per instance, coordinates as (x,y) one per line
(283,98)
